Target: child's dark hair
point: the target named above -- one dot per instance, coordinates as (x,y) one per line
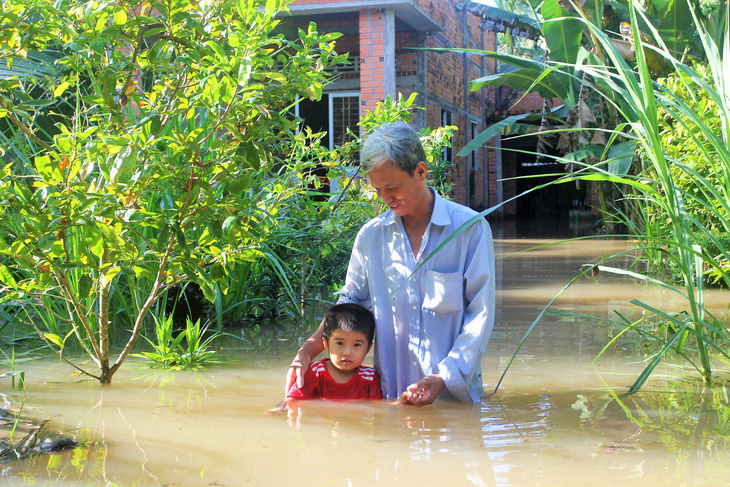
(349,317)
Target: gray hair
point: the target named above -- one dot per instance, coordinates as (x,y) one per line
(395,142)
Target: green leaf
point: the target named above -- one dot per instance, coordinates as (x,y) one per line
(111,274)
(123,163)
(244,70)
(85,283)
(218,49)
(230,223)
(584,153)
(676,23)
(6,277)
(145,272)
(276,76)
(563,34)
(594,9)
(206,285)
(182,241)
(94,240)
(511,19)
(47,169)
(120,17)
(60,89)
(55,339)
(493,130)
(620,158)
(550,84)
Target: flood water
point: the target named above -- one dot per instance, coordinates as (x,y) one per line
(557,419)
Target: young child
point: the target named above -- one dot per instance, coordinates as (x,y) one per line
(348,337)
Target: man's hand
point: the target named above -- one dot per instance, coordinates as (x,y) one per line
(282,407)
(304,358)
(423,392)
(296,371)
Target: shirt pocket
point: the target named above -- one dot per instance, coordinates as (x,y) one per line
(443,292)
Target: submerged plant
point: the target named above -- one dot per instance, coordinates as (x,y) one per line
(194,348)
(188,350)
(164,344)
(14,372)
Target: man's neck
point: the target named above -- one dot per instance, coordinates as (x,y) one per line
(416,223)
(421,218)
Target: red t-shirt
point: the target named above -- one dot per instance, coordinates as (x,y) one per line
(318,383)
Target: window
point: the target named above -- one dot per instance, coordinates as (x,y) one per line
(345,113)
(447,118)
(333,114)
(474,156)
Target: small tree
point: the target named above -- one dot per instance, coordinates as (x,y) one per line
(179,108)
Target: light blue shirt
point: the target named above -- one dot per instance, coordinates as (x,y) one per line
(438,321)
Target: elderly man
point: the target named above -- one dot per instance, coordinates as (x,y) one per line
(433,318)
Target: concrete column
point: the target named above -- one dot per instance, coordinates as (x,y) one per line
(421,87)
(389,48)
(498,174)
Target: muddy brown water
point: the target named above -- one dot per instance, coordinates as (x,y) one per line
(557,419)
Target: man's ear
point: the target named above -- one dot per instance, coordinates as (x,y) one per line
(421,170)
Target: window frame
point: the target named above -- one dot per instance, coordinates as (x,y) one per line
(447,119)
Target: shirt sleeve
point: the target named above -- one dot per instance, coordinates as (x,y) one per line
(464,358)
(356,288)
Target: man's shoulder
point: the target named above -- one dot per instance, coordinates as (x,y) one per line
(459,213)
(377,223)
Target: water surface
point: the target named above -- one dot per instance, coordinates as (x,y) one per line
(557,419)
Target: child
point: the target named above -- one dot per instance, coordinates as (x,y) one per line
(348,337)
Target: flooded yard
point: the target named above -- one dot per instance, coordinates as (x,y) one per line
(557,419)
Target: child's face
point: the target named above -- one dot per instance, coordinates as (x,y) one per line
(347,349)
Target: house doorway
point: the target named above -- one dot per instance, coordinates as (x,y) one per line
(549,208)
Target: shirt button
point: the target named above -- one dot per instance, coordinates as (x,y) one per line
(415,308)
(414,364)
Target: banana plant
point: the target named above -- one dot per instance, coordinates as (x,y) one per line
(580,117)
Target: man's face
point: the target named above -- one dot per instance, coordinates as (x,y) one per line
(403,193)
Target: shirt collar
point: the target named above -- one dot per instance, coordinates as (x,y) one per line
(440,215)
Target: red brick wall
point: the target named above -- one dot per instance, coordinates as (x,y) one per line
(445,79)
(445,86)
(532,102)
(372,52)
(349,43)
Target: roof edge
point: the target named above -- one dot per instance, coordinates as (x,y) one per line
(407,11)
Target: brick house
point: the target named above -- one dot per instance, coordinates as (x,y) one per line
(379,36)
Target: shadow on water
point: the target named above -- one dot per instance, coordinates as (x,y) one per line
(558,418)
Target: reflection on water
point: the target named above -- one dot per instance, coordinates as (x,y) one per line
(557,419)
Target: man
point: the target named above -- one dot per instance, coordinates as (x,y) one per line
(433,318)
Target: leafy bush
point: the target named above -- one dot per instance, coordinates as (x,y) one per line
(169,169)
